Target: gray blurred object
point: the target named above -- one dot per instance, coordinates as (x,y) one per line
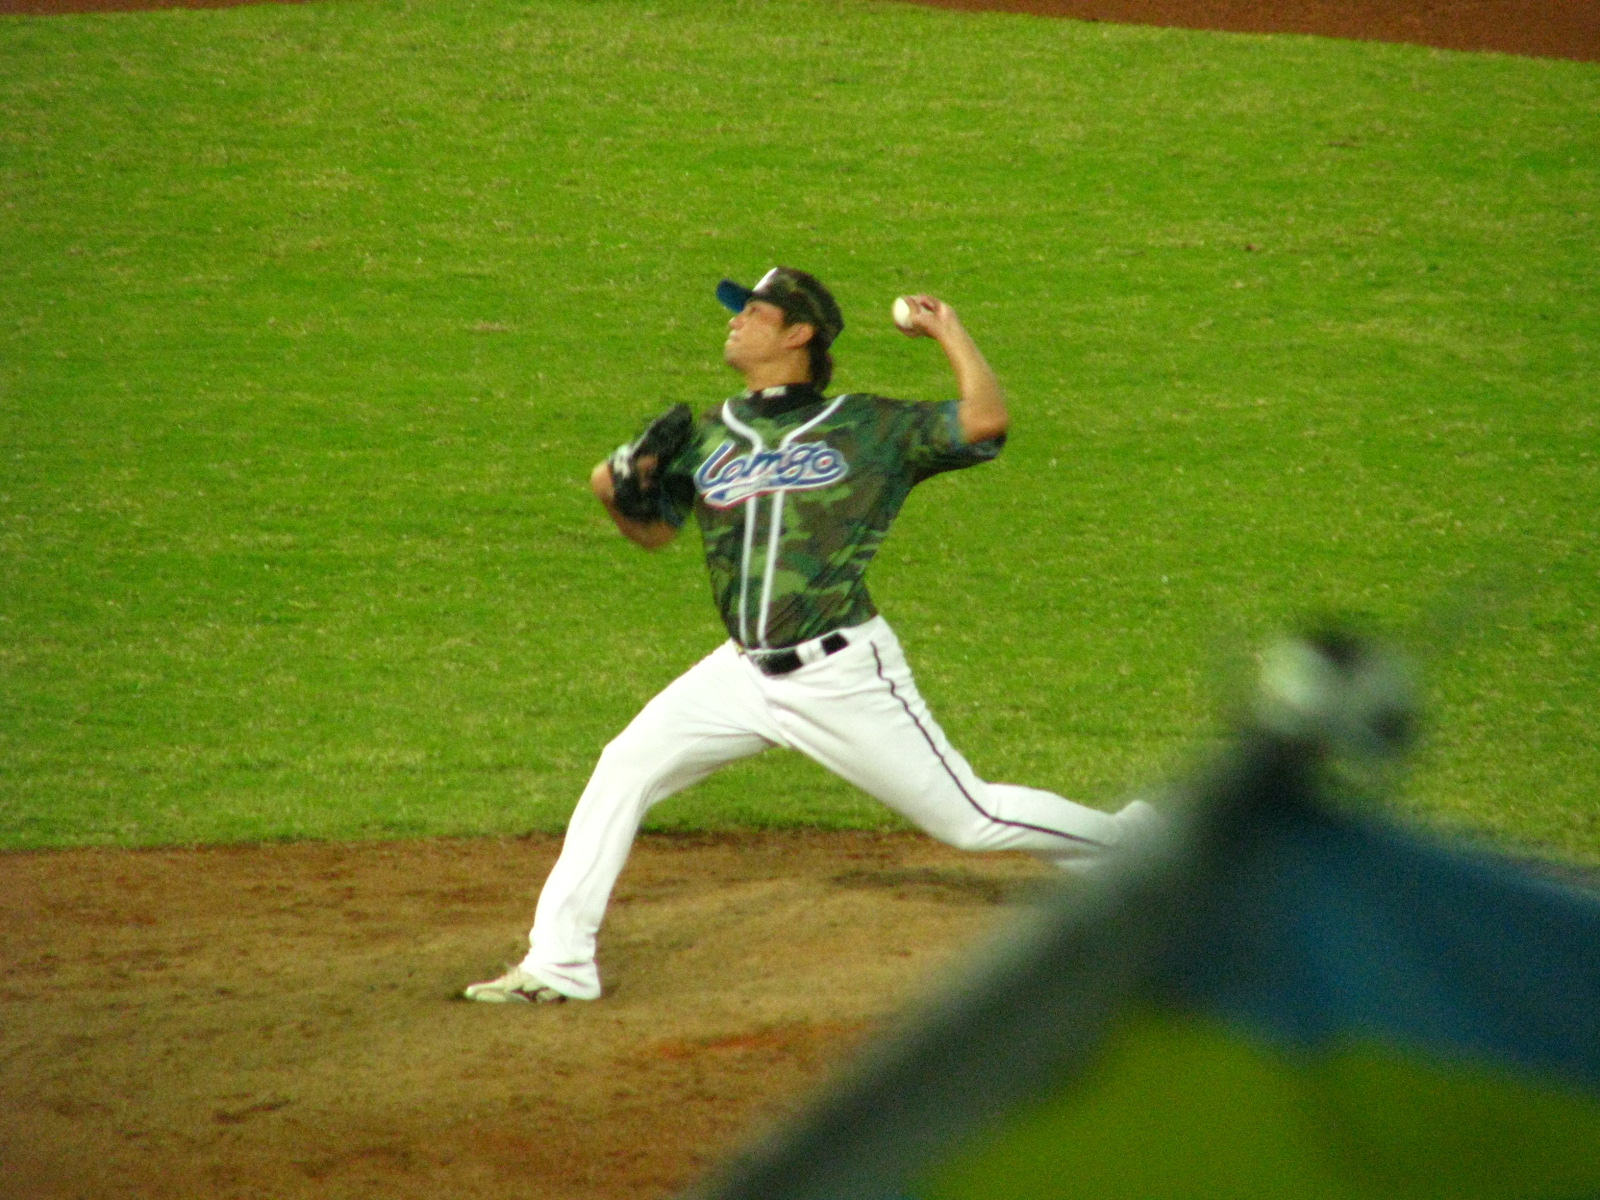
(1006,1029)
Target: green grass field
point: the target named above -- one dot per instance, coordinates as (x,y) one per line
(316,316)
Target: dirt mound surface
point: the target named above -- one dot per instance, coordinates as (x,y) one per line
(279,1021)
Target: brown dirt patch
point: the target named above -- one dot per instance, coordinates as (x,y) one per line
(1548,28)
(278,1021)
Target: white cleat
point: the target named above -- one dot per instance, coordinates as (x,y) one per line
(516,986)
(1139,824)
(1140,828)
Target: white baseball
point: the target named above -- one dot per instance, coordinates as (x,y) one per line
(901,312)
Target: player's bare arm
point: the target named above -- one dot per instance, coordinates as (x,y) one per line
(652,535)
(982,409)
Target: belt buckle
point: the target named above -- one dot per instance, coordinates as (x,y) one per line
(792,658)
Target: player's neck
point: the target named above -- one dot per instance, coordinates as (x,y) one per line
(775,374)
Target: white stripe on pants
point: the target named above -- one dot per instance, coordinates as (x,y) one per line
(856,712)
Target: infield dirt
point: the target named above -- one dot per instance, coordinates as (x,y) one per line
(279,1021)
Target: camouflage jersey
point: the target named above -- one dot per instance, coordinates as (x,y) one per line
(794,493)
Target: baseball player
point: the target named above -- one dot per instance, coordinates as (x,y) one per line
(793,491)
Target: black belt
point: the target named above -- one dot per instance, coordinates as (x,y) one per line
(781,662)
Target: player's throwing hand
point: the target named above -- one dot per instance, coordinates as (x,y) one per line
(924,316)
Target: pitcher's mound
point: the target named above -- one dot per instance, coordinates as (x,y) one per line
(279,1021)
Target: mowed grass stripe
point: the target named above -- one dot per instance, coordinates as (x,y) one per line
(316,317)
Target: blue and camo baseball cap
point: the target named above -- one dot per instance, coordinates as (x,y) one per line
(802,298)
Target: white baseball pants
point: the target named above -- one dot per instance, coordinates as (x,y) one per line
(857,712)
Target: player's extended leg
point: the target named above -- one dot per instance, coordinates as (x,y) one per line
(859,714)
(707,717)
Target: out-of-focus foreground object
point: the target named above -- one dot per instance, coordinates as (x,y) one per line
(1285,996)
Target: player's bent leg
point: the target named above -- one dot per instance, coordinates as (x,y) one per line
(877,733)
(707,717)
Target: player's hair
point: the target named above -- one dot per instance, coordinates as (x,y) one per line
(821,364)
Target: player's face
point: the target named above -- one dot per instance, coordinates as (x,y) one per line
(757,335)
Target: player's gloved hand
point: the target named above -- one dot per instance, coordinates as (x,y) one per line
(637,491)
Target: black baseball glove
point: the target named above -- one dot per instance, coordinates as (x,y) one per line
(638,493)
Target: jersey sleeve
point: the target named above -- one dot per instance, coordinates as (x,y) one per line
(934,442)
(677,478)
